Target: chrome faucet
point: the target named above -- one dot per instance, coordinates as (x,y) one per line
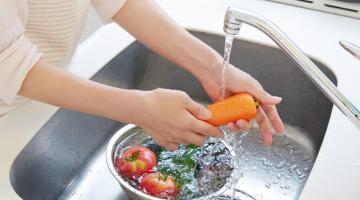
(351,48)
(235,17)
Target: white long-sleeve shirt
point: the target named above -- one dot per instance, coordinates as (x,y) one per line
(30,29)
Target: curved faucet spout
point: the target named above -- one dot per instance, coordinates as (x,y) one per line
(351,48)
(235,17)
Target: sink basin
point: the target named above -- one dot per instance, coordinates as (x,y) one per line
(66,158)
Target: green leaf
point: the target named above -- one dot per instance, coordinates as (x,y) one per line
(159,151)
(189,162)
(191,146)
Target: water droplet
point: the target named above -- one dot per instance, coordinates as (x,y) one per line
(265,161)
(268,185)
(302,176)
(293,167)
(271,164)
(278,176)
(254,168)
(281,164)
(285,139)
(298,172)
(306,169)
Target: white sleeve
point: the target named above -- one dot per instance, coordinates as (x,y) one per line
(107,8)
(17,54)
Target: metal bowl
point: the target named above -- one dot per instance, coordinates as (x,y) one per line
(131,135)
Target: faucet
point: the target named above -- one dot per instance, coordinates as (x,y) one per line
(234,17)
(351,48)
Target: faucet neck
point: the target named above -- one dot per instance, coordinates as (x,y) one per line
(235,17)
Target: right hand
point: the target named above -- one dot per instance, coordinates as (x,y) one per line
(171,118)
(237,81)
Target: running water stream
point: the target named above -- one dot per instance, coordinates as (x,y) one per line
(230,139)
(227,52)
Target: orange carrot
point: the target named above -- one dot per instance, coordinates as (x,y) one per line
(238,106)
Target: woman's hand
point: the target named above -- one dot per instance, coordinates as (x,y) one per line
(171,118)
(239,81)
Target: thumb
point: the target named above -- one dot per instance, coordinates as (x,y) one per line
(198,110)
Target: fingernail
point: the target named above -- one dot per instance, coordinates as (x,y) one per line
(231,126)
(268,140)
(205,114)
(278,99)
(241,125)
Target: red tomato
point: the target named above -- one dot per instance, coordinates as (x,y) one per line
(135,161)
(159,185)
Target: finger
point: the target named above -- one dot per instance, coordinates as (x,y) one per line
(198,110)
(243,125)
(264,125)
(260,94)
(227,93)
(159,141)
(195,138)
(204,128)
(231,126)
(172,146)
(273,116)
(180,140)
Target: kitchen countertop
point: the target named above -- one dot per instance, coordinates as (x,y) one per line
(336,172)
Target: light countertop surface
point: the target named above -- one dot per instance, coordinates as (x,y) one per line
(336,172)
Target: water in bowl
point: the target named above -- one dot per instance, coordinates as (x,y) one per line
(246,170)
(179,164)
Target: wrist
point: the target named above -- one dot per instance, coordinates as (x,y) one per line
(209,67)
(126,105)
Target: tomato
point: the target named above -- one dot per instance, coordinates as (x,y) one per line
(135,161)
(159,185)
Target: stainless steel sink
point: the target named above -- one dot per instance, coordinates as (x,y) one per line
(66,158)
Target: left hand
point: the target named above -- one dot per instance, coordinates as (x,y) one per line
(239,81)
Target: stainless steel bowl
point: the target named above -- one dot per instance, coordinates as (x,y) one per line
(131,135)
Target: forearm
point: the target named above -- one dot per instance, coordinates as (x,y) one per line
(150,25)
(55,86)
